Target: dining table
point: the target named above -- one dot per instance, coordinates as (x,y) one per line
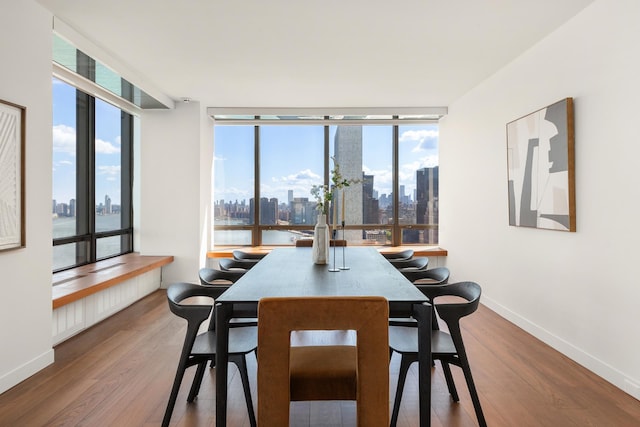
(290,272)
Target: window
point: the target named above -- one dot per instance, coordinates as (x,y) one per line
(276,160)
(91,209)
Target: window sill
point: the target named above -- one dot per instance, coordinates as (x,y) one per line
(77,283)
(434,251)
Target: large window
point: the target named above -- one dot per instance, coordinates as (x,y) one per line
(91,209)
(264,171)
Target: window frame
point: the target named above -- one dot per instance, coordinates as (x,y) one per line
(86,237)
(257,229)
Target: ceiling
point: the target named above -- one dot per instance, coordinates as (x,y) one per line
(296,53)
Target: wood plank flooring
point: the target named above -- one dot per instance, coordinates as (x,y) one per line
(119,372)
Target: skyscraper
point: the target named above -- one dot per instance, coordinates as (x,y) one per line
(348,154)
(427,200)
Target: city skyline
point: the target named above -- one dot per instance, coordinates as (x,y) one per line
(296,165)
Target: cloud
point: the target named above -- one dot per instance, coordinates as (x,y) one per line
(65,162)
(110,171)
(64,139)
(424,139)
(104,147)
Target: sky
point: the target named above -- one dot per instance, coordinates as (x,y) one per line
(108,146)
(292,158)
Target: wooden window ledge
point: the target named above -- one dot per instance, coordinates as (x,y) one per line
(227,252)
(77,283)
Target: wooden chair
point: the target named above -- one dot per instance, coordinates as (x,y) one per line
(304,243)
(333,372)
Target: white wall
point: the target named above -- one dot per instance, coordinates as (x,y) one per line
(576,291)
(25,274)
(170,213)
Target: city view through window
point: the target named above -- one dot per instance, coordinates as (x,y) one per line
(77,180)
(292,159)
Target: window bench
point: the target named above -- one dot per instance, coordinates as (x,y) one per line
(85,295)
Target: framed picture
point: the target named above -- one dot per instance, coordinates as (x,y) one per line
(12,146)
(541,168)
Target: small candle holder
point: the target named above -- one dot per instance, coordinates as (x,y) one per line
(344,247)
(333,268)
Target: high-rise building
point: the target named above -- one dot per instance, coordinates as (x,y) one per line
(369,202)
(427,200)
(348,154)
(107,204)
(72,207)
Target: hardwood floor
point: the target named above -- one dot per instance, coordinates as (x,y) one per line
(119,373)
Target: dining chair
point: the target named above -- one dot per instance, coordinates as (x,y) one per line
(431,276)
(446,347)
(337,242)
(242,255)
(417,263)
(198,349)
(423,278)
(230,264)
(406,254)
(329,372)
(215,277)
(304,243)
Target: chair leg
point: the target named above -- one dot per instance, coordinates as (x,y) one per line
(241,363)
(182,366)
(449,378)
(466,368)
(405,363)
(197,381)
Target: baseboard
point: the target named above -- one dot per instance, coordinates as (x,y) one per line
(593,364)
(24,371)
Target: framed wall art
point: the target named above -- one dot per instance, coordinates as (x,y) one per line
(12,146)
(541,168)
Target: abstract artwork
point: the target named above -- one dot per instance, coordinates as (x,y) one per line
(541,173)
(12,128)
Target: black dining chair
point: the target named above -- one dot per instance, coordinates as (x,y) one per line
(431,276)
(417,263)
(215,277)
(242,255)
(406,254)
(198,349)
(446,347)
(230,264)
(421,279)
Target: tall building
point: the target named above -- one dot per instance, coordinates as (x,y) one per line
(427,201)
(347,150)
(107,204)
(72,207)
(369,202)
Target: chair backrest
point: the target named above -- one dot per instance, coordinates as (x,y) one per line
(452,312)
(337,242)
(278,317)
(430,277)
(194,314)
(418,263)
(214,277)
(304,243)
(406,254)
(238,254)
(227,264)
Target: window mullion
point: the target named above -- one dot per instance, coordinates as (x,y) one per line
(396,239)
(256,235)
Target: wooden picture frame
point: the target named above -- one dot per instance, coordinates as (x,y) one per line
(541,168)
(12,164)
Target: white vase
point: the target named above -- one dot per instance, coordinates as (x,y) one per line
(320,249)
